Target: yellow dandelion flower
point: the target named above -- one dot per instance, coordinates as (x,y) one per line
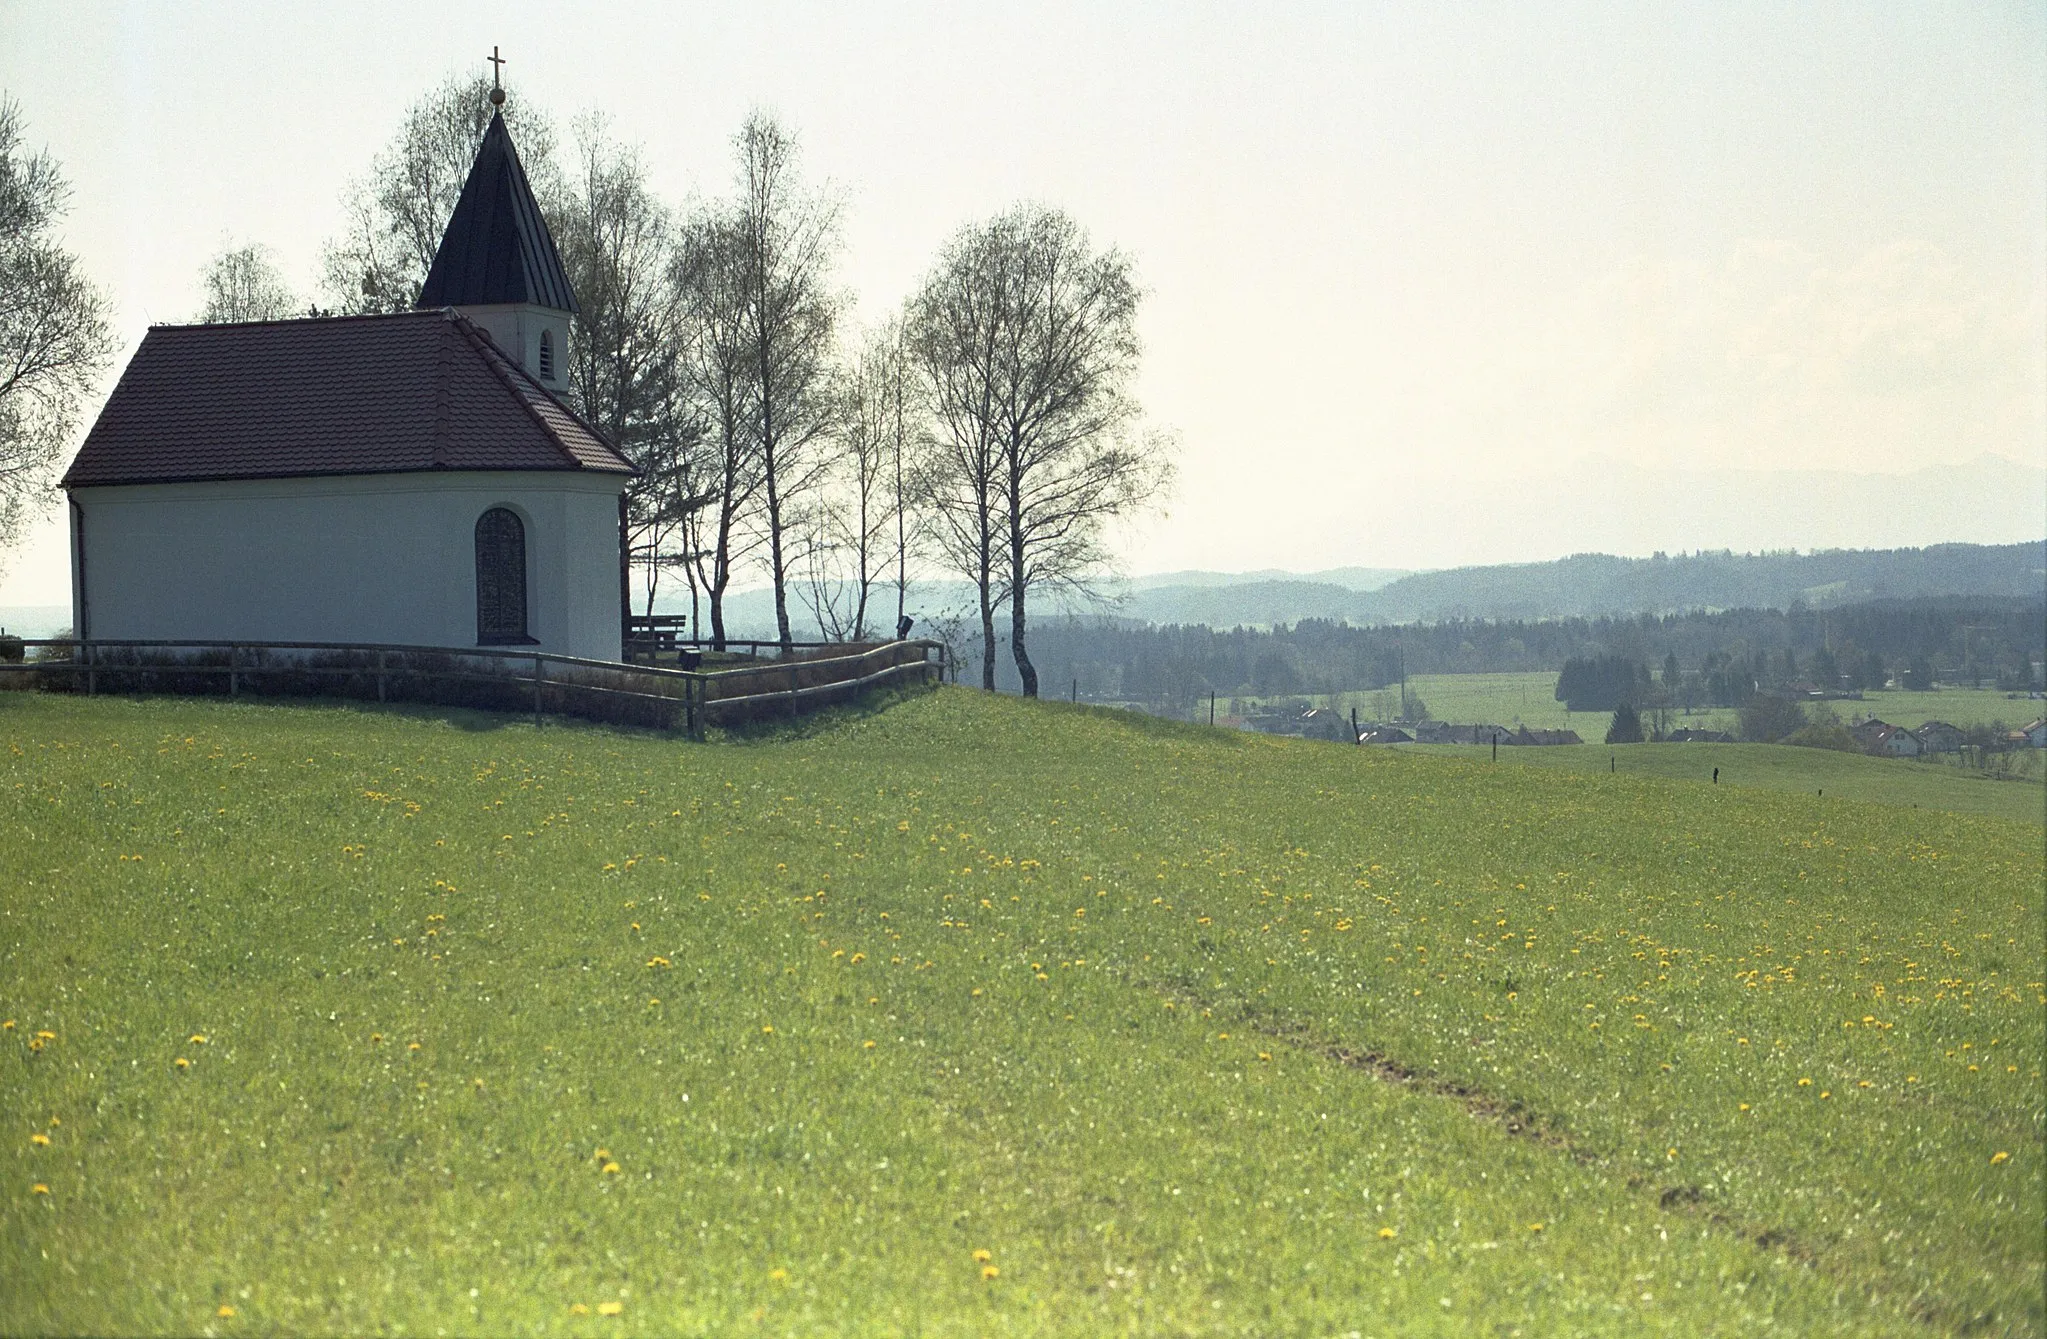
(413,1047)
(611,1169)
(767,1029)
(46,1036)
(866,1045)
(1535,1227)
(1265,1055)
(197,1039)
(39,1139)
(989,1271)
(1387,1234)
(39,1189)
(7,1026)
(1999,1156)
(1744,1106)
(983,1256)
(1805,1083)
(376,1038)
(225,1311)
(578,1309)
(779,1275)
(182,1063)
(603,1155)
(610,1308)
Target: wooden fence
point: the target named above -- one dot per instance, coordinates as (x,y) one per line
(488,677)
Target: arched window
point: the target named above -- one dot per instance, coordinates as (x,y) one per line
(500,579)
(547,355)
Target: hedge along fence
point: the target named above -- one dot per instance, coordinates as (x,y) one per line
(486,678)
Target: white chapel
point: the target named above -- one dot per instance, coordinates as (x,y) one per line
(409,479)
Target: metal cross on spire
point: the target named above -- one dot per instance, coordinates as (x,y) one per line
(497,89)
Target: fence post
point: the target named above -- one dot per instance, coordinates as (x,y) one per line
(537,671)
(234,671)
(91,671)
(793,686)
(380,678)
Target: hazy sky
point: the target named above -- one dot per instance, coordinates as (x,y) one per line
(1398,257)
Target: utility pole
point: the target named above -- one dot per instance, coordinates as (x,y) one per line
(1211,706)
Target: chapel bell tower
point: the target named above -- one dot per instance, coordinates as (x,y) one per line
(497,263)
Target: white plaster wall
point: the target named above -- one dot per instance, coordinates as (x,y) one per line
(356,558)
(515,328)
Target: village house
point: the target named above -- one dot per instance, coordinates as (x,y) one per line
(1689,735)
(412,478)
(1526,736)
(1940,737)
(1895,741)
(2034,735)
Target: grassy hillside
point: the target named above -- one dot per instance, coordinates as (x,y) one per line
(1841,776)
(976,1016)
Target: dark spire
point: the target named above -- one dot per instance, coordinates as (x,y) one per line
(497,248)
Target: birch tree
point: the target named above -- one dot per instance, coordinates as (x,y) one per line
(243,283)
(1027,338)
(625,359)
(957,323)
(717,366)
(860,531)
(788,242)
(55,333)
(395,215)
(1072,453)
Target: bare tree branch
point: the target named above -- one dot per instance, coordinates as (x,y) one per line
(55,332)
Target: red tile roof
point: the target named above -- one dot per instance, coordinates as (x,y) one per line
(344,395)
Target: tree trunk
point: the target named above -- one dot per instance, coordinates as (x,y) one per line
(1025,670)
(987,621)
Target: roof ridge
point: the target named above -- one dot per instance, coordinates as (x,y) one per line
(513,375)
(414,313)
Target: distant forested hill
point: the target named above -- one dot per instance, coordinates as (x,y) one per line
(1593,585)
(1991,640)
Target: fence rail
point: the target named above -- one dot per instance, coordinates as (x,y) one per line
(577,686)
(665,634)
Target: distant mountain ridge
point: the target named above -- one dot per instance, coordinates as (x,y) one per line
(1586,585)
(1593,584)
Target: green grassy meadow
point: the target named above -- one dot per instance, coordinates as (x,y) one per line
(976,1016)
(1845,776)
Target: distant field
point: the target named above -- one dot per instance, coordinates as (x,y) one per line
(1530,699)
(1843,776)
(975,1016)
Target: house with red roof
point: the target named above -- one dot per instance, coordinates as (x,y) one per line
(412,478)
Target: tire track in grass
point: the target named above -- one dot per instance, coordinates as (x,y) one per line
(1517,1120)
(1514,1117)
